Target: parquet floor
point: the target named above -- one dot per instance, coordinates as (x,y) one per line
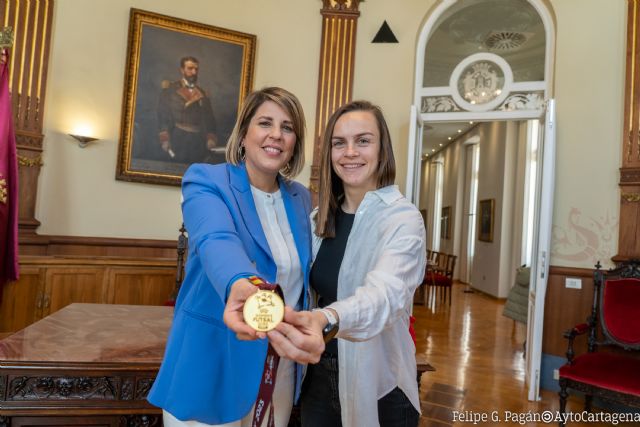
(478,356)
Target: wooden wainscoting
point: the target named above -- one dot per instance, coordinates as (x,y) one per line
(97,246)
(48,284)
(565,307)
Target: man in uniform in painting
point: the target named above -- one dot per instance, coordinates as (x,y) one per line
(185,117)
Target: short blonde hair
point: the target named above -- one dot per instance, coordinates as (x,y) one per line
(289,103)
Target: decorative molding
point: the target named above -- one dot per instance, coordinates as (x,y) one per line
(30,162)
(631,197)
(341,5)
(29,64)
(629,229)
(28,140)
(555,270)
(126,391)
(140,421)
(523,101)
(143,385)
(438,104)
(3,387)
(336,69)
(6,37)
(630,176)
(4,191)
(631,132)
(583,238)
(62,388)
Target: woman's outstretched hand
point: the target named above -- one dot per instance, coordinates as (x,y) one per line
(299,336)
(241,289)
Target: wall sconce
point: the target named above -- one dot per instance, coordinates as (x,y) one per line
(83,141)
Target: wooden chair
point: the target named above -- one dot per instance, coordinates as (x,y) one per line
(422,291)
(612,375)
(439,277)
(181,249)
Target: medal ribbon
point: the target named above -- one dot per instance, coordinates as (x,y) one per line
(268,383)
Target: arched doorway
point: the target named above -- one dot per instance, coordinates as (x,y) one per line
(480,61)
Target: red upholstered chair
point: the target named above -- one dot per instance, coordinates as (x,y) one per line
(439,276)
(609,375)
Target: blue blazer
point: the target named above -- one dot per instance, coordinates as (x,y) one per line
(208,374)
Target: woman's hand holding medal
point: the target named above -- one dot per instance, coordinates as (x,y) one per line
(255,310)
(240,291)
(299,337)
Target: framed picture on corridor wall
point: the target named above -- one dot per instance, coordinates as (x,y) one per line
(485,220)
(184,82)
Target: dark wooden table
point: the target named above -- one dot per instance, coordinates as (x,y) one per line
(85,365)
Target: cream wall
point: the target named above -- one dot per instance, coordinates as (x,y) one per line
(384,73)
(78,194)
(589,88)
(485,272)
(452,196)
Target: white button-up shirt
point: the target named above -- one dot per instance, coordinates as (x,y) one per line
(277,230)
(383,264)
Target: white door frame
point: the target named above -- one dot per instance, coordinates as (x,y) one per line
(414,160)
(541,256)
(541,251)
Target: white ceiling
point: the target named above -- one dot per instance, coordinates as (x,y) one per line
(509,28)
(437,136)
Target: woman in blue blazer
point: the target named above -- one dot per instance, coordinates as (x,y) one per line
(244,218)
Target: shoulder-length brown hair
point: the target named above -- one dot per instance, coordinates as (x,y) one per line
(289,103)
(331,188)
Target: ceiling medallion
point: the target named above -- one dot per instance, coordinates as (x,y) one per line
(481,82)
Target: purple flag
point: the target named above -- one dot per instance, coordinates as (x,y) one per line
(9,269)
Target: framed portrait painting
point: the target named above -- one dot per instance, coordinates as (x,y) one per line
(485,220)
(184,83)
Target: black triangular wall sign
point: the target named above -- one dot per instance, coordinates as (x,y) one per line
(385,35)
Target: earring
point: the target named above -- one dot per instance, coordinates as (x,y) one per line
(241,152)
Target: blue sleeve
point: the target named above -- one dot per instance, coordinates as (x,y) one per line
(306,196)
(307,201)
(207,211)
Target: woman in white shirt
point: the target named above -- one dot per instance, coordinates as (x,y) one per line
(369,255)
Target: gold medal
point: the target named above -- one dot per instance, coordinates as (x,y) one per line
(263,310)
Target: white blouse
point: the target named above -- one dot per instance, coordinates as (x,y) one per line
(382,266)
(277,230)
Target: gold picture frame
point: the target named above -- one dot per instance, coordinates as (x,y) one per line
(485,220)
(158,49)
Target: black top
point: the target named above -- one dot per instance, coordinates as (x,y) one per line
(324,273)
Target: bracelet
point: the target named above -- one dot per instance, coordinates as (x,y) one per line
(332,326)
(331,318)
